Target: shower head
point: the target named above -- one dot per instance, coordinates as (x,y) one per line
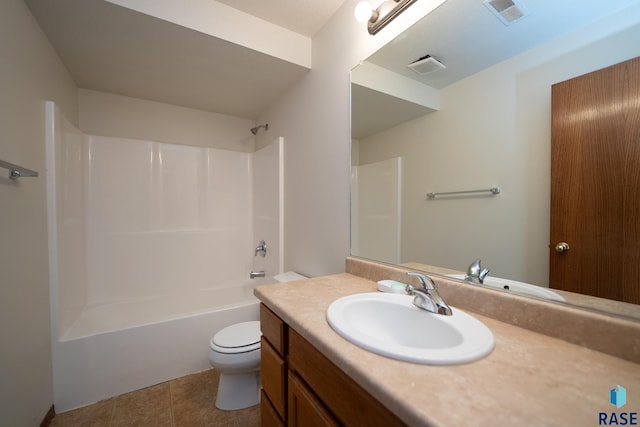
(257,128)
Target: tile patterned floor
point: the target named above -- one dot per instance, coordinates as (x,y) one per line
(183,402)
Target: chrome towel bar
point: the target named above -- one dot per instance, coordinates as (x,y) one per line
(16,171)
(492,190)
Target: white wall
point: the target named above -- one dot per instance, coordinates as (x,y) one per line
(493,128)
(314,118)
(376,207)
(119,116)
(30,73)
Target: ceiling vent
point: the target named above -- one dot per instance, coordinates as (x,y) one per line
(426,64)
(507,11)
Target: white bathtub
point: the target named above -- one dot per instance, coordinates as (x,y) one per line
(119,347)
(150,248)
(109,317)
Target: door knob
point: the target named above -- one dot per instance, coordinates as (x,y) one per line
(562,247)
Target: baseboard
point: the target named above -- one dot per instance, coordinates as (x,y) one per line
(48,417)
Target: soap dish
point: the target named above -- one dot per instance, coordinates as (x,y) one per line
(391,286)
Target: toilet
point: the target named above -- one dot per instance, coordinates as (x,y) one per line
(235,353)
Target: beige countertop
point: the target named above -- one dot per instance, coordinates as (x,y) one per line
(529,379)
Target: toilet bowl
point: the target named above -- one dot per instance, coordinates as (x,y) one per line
(235,353)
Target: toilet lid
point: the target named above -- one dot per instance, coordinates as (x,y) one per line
(240,337)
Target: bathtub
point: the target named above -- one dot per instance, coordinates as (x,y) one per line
(150,249)
(123,346)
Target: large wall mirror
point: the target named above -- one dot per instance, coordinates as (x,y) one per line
(481,122)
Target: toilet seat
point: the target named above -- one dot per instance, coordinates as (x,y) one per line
(239,338)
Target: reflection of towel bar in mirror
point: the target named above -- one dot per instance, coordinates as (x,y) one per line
(16,171)
(492,190)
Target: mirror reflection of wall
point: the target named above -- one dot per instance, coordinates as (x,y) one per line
(492,128)
(376,210)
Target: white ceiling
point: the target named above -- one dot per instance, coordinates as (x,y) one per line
(114,49)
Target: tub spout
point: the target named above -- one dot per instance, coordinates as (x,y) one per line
(255,274)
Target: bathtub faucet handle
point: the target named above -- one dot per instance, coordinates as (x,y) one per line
(261,249)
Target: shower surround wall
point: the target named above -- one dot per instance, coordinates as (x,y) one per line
(151,246)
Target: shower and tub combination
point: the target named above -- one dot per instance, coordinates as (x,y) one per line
(151,246)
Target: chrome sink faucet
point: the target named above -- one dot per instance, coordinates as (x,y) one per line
(475,273)
(427,297)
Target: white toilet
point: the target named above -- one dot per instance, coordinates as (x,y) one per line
(235,353)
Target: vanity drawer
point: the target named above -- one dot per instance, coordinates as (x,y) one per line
(351,404)
(273,329)
(273,371)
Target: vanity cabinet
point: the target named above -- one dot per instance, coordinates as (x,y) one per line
(301,387)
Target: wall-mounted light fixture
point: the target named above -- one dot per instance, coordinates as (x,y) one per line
(378,18)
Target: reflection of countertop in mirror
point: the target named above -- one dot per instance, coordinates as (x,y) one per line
(579,300)
(529,379)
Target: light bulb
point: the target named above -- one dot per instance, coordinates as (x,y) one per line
(363,11)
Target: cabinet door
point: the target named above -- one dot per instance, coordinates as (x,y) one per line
(304,409)
(348,401)
(273,376)
(268,415)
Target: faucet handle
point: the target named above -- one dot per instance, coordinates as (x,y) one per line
(425,281)
(261,249)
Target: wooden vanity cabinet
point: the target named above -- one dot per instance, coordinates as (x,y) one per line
(301,387)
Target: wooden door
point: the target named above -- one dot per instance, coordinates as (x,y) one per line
(595,183)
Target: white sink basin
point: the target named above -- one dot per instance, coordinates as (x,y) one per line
(516,287)
(390,325)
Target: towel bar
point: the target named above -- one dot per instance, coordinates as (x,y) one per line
(492,190)
(16,171)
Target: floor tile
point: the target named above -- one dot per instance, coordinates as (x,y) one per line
(193,399)
(150,406)
(249,417)
(96,415)
(184,402)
